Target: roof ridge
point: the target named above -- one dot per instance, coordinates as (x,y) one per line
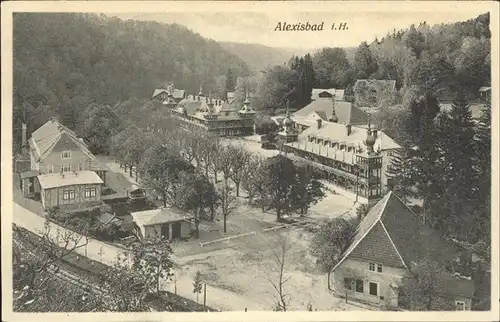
(407,207)
(50,145)
(368,230)
(392,242)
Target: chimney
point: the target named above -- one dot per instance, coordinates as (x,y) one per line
(349,129)
(319,123)
(23,139)
(374,132)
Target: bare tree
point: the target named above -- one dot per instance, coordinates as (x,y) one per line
(211,158)
(228,202)
(239,158)
(152,259)
(253,182)
(51,248)
(225,161)
(275,274)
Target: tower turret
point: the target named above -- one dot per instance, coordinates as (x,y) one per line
(333,118)
(246,110)
(210,113)
(288,133)
(369,167)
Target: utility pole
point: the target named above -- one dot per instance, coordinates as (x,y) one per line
(175,284)
(205,296)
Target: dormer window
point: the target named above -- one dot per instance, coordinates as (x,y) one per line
(66,155)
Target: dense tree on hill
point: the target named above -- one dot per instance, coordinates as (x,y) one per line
(301,83)
(458,164)
(331,68)
(483,157)
(100,123)
(273,89)
(401,174)
(68,61)
(364,62)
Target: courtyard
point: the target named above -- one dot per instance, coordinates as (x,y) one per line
(243,266)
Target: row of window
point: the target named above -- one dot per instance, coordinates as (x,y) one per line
(372,266)
(66,167)
(358,286)
(373,289)
(69,194)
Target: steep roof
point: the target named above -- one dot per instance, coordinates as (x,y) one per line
(485,89)
(345,111)
(338,133)
(159,216)
(54,180)
(46,137)
(412,240)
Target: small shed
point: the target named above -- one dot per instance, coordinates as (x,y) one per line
(29,183)
(170,223)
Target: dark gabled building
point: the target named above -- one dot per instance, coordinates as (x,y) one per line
(388,242)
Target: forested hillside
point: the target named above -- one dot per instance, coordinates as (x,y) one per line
(259,57)
(63,62)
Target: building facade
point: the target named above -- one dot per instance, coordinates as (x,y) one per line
(355,158)
(169,223)
(213,115)
(390,241)
(322,107)
(62,169)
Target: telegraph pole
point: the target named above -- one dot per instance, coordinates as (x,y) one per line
(205,296)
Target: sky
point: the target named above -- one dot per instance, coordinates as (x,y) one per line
(257,25)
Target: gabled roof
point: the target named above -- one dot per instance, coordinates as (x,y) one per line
(159,216)
(484,89)
(412,240)
(339,93)
(345,111)
(338,133)
(377,84)
(176,93)
(45,138)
